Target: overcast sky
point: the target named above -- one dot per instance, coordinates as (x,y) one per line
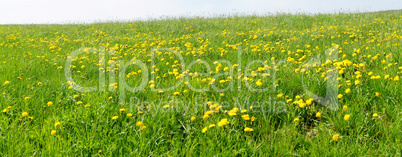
(87,11)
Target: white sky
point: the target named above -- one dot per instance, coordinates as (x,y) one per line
(87,11)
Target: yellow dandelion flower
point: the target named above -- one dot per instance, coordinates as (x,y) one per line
(115,117)
(24,114)
(192,118)
(375,115)
(318,114)
(129,114)
(57,124)
(53,132)
(49,103)
(346,117)
(204,130)
(212,125)
(335,137)
(296,120)
(245,117)
(223,122)
(247,129)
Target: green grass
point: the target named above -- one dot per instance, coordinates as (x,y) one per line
(32,73)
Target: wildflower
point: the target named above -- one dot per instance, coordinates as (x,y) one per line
(212,125)
(375,115)
(39,83)
(345,107)
(26,98)
(279,95)
(49,103)
(309,101)
(296,120)
(204,130)
(347,91)
(259,83)
(139,123)
(129,114)
(176,93)
(122,110)
(24,114)
(252,118)
(115,117)
(245,117)
(231,113)
(79,102)
(247,129)
(377,94)
(143,127)
(357,82)
(346,117)
(243,111)
(340,96)
(318,114)
(56,124)
(192,118)
(6,83)
(53,132)
(396,78)
(223,122)
(335,137)
(166,106)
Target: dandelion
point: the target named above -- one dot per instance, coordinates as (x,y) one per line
(139,123)
(122,110)
(39,83)
(56,124)
(49,103)
(129,114)
(24,114)
(259,83)
(340,96)
(296,120)
(377,94)
(6,83)
(375,115)
(247,129)
(335,137)
(223,122)
(357,82)
(53,132)
(345,107)
(192,118)
(115,117)
(318,115)
(212,125)
(396,78)
(79,102)
(279,95)
(143,127)
(204,130)
(26,98)
(245,117)
(176,93)
(346,117)
(347,91)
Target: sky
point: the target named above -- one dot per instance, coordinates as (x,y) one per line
(89,11)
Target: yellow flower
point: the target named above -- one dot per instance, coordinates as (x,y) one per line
(49,103)
(346,117)
(143,127)
(335,137)
(377,94)
(296,120)
(375,115)
(347,91)
(24,114)
(232,113)
(309,101)
(357,82)
(396,78)
(39,83)
(243,111)
(318,114)
(26,98)
(115,117)
(166,106)
(192,118)
(122,110)
(204,130)
(252,118)
(245,117)
(247,129)
(340,96)
(279,95)
(345,107)
(6,83)
(53,132)
(79,102)
(129,114)
(212,125)
(176,93)
(56,124)
(259,83)
(139,123)
(223,122)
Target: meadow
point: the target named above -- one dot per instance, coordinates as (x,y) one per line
(281,85)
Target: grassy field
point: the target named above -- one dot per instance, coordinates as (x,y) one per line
(283,85)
